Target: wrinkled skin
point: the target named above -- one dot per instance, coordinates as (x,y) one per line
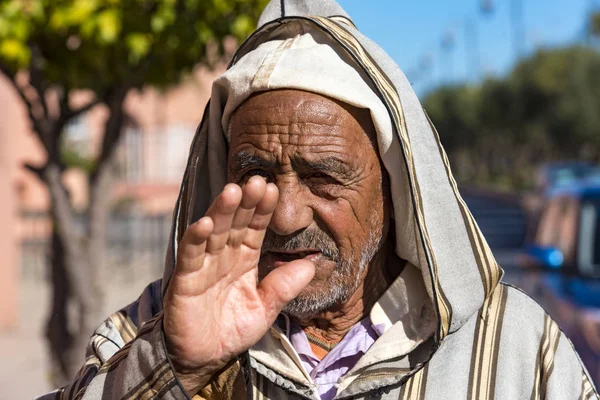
(298,162)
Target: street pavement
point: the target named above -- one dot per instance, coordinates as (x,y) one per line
(24,363)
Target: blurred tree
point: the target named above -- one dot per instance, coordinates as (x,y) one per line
(558,95)
(593,26)
(50,49)
(455,108)
(547,108)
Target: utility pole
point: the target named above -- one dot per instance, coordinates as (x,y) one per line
(472,49)
(447,46)
(518,27)
(517,23)
(487,7)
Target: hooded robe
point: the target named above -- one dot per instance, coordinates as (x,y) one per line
(454,331)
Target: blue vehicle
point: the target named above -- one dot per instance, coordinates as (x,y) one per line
(564,257)
(563,174)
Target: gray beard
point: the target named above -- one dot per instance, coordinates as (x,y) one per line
(340,285)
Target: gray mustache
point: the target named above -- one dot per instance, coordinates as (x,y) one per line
(313,239)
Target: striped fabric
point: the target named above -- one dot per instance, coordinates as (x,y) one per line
(415,388)
(392,100)
(485,346)
(319,346)
(491,341)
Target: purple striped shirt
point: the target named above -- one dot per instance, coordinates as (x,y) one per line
(326,372)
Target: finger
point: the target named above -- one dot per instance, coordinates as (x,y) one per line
(222,211)
(188,279)
(284,284)
(252,194)
(261,218)
(191,250)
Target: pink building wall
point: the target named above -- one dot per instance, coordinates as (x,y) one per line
(9,248)
(153,111)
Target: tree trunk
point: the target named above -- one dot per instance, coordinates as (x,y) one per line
(72,297)
(99,217)
(57,332)
(76,265)
(78,276)
(94,256)
(90,311)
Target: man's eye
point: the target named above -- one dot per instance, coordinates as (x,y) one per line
(321,178)
(249,174)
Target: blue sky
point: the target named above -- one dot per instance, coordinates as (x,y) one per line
(411,31)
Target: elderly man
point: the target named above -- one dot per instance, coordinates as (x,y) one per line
(320,248)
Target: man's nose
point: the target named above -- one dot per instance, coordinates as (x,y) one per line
(292,213)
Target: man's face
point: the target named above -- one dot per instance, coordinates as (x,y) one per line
(331,206)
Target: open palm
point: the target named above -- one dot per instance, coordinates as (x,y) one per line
(214,308)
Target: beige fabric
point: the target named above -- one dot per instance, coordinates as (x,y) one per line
(303,63)
(276,352)
(407,316)
(405,324)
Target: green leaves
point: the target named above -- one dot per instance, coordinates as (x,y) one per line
(547,108)
(101,44)
(139,45)
(242,25)
(111,46)
(163,18)
(14,32)
(15,52)
(594,25)
(71,14)
(109,25)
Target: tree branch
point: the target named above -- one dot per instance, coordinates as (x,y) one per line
(83,109)
(36,77)
(37,171)
(38,125)
(58,126)
(100,179)
(66,114)
(60,202)
(113,126)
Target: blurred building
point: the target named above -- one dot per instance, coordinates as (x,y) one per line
(150,163)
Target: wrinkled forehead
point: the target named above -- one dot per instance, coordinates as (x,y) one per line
(296,115)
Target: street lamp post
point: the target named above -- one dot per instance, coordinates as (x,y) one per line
(518,27)
(516,19)
(447,45)
(472,48)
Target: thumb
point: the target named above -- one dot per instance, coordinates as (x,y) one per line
(283,284)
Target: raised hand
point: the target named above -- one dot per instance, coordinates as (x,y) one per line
(214,308)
